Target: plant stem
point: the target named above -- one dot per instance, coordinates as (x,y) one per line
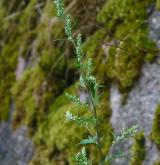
(93,107)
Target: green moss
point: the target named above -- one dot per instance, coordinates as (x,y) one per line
(94,43)
(157,162)
(115,12)
(155,135)
(8,63)
(138,150)
(59,139)
(7,77)
(23,96)
(33,96)
(29,17)
(124,24)
(12,7)
(158,4)
(149,57)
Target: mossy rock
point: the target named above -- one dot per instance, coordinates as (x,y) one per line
(37,95)
(155,135)
(123,27)
(138,150)
(33,96)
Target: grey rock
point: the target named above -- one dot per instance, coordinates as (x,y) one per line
(15,146)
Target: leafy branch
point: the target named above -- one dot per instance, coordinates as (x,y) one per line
(88,82)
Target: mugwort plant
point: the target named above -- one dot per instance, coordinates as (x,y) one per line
(88,82)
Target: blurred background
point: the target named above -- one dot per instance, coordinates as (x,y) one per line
(37,66)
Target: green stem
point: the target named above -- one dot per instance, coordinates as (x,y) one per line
(93,107)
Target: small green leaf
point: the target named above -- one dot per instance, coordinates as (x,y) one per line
(73,98)
(90,140)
